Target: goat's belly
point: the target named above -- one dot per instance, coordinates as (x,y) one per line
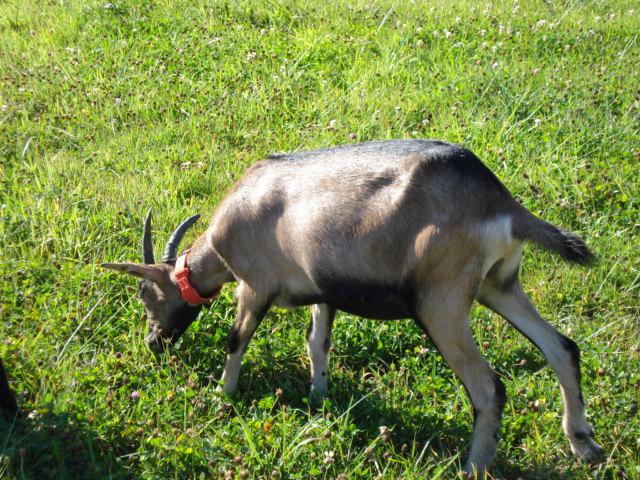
(376,300)
(383,309)
(390,308)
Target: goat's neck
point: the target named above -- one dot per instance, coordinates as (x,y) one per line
(207,271)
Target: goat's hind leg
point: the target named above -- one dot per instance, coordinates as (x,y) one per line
(318,344)
(446,321)
(561,352)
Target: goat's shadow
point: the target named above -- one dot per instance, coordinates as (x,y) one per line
(368,410)
(51,446)
(507,470)
(446,437)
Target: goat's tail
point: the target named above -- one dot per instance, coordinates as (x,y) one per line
(568,245)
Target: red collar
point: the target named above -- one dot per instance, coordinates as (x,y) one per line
(189,294)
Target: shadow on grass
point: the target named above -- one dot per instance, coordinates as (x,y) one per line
(505,470)
(446,437)
(263,373)
(525,361)
(51,446)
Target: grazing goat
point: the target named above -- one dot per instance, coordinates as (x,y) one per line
(7,402)
(386,230)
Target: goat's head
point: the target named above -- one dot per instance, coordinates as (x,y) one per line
(167,313)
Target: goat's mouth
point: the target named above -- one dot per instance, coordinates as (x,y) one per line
(159,338)
(157,341)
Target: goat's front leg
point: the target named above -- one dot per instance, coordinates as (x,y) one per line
(252,308)
(318,344)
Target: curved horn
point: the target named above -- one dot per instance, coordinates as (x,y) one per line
(171,250)
(147,243)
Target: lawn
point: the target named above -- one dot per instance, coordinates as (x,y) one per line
(110,108)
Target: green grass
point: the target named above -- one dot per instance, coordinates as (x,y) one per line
(107,109)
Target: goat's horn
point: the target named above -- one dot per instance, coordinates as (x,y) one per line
(147,243)
(171,250)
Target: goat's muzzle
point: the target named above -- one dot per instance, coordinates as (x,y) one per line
(156,343)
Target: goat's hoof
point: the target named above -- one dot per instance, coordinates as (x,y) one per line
(221,391)
(472,473)
(589,451)
(316,397)
(596,456)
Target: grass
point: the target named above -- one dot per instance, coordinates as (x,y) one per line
(107,109)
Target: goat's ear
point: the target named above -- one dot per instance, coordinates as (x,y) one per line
(154,273)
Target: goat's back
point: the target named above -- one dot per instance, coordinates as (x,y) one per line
(446,180)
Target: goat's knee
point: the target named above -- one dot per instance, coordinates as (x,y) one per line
(318,345)
(237,341)
(250,314)
(230,374)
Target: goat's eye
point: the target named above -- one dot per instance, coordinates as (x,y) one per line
(142,291)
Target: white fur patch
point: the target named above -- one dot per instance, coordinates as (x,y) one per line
(500,245)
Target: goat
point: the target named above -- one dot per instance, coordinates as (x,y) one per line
(8,404)
(387,230)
